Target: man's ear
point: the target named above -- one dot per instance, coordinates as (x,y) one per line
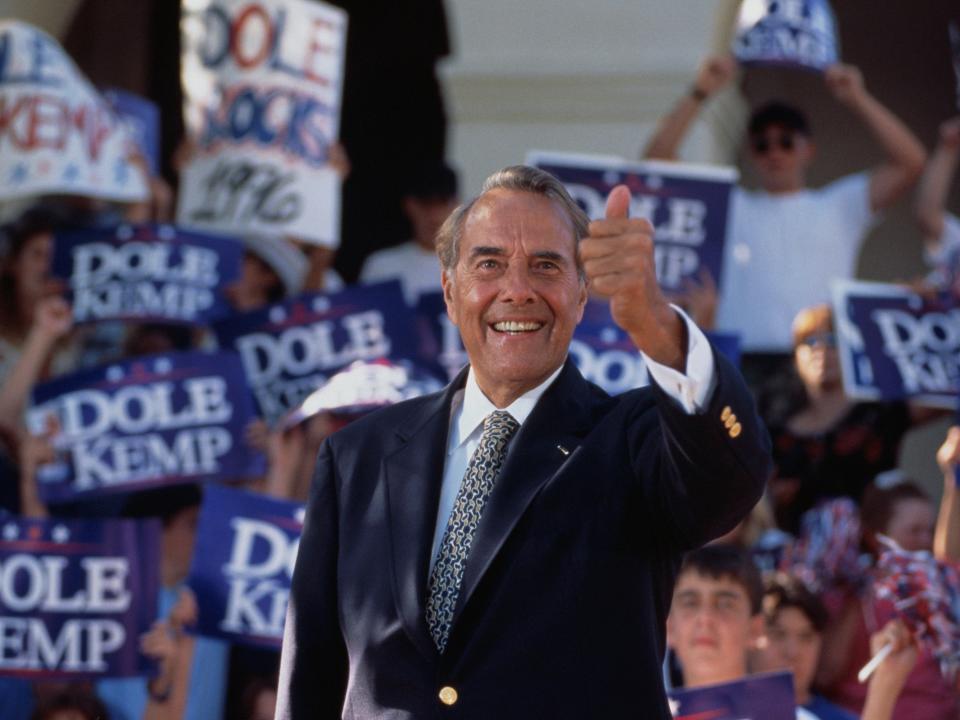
(446,283)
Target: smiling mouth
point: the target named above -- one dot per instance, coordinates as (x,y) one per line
(516,327)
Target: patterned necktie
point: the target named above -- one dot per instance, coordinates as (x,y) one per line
(478,480)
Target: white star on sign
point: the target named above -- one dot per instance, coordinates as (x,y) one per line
(60,534)
(11,532)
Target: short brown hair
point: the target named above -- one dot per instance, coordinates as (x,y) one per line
(522,178)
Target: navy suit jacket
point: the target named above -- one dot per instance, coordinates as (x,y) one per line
(562,608)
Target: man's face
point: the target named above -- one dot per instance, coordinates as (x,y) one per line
(792,644)
(781,157)
(515,293)
(711,628)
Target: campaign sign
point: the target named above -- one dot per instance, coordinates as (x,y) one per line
(57,134)
(161,419)
(767,696)
(290,349)
(146,272)
(440,347)
(242,564)
(895,345)
(604,353)
(142,119)
(687,205)
(786,33)
(75,596)
(262,83)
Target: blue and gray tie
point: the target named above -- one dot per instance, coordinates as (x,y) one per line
(478,480)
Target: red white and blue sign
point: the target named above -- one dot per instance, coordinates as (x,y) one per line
(292,348)
(242,564)
(58,134)
(786,33)
(895,344)
(146,273)
(262,84)
(158,420)
(687,205)
(75,596)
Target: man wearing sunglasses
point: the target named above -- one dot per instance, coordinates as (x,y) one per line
(785,241)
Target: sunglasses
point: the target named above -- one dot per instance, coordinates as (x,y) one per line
(826,339)
(762,145)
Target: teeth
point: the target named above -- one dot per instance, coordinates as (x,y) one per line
(514,326)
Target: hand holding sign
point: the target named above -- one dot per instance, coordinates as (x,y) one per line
(845,82)
(950,133)
(618,259)
(714,74)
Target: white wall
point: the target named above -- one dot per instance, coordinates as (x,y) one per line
(574,76)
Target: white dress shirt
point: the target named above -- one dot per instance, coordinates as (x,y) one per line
(470,408)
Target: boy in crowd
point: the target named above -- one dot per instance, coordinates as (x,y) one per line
(715,619)
(431,196)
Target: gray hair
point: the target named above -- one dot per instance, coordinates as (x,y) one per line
(516,177)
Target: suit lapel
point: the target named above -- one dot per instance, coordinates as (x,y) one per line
(561,417)
(414,474)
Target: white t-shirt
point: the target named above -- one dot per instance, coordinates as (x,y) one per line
(944,259)
(783,251)
(417,269)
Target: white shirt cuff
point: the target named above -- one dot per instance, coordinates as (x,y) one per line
(692,387)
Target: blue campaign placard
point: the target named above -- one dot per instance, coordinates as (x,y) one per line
(604,353)
(75,596)
(687,205)
(439,345)
(242,564)
(291,348)
(160,419)
(798,34)
(767,696)
(895,345)
(146,272)
(142,118)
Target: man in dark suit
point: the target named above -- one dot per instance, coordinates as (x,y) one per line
(507,548)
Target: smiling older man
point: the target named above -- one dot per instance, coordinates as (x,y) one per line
(507,548)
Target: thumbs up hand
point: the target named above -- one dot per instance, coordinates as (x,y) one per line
(618,258)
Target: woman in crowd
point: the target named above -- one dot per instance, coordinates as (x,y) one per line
(825,444)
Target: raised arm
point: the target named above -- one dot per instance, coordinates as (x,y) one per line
(905,155)
(935,183)
(52,320)
(888,680)
(714,74)
(946,535)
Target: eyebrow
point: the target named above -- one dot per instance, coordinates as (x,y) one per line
(489,250)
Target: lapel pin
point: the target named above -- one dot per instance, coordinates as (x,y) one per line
(562,449)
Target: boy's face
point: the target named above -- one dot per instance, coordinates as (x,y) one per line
(711,628)
(792,644)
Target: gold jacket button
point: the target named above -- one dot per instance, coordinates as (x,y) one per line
(448,696)
(725,413)
(730,421)
(735,430)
